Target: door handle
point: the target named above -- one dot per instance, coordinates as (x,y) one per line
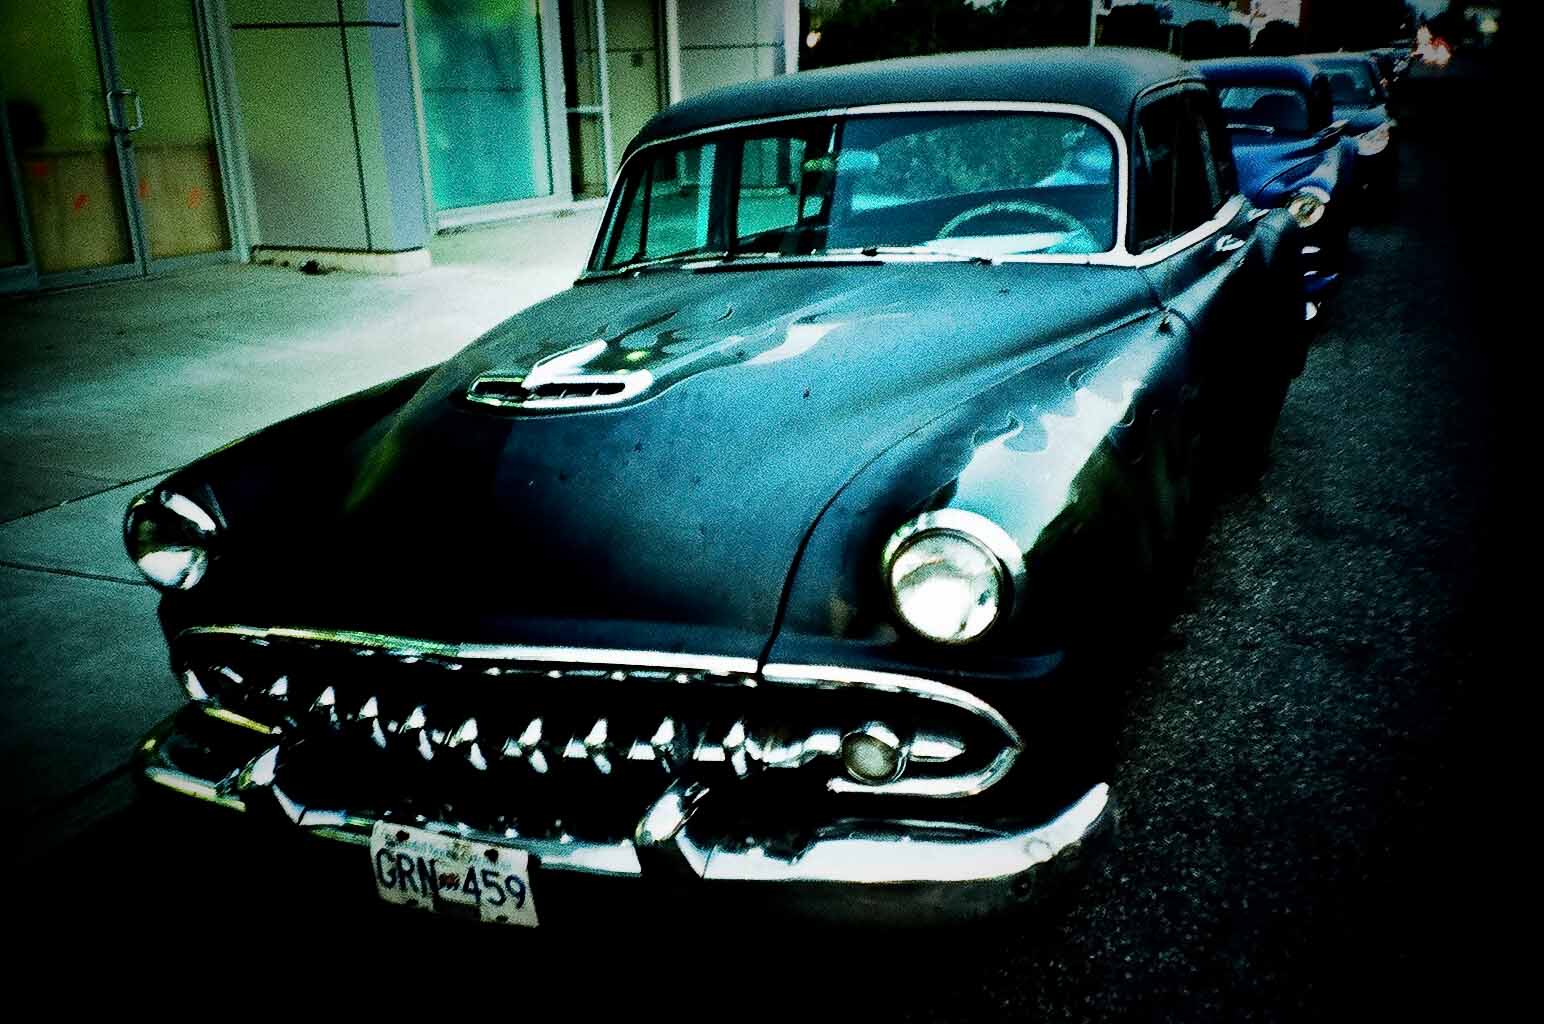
(1227,244)
(112,111)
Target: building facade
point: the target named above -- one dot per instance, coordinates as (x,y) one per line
(145,135)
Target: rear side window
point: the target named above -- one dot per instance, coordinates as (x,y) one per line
(1180,182)
(1216,147)
(1277,108)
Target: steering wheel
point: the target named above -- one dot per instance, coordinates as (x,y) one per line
(1061,218)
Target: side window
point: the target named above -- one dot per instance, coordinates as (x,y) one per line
(1177,181)
(770,171)
(1157,130)
(626,242)
(1216,150)
(666,210)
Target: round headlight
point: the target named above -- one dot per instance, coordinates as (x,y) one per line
(168,536)
(949,575)
(1308,206)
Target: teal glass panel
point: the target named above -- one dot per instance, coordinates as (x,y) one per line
(480,71)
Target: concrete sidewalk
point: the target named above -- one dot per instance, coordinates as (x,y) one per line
(105,389)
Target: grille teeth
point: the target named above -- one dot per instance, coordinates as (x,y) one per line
(609,744)
(465,736)
(370,712)
(597,747)
(413,731)
(667,747)
(739,748)
(735,749)
(326,706)
(528,746)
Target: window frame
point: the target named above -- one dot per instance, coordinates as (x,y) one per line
(1117,255)
(1188,94)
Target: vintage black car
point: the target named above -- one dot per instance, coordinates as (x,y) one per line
(787,553)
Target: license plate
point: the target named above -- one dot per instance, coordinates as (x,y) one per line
(452,875)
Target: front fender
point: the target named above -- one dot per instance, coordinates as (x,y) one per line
(1067,456)
(1324,171)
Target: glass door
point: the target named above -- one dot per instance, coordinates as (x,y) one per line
(613,76)
(16,267)
(111,167)
(167,122)
(60,114)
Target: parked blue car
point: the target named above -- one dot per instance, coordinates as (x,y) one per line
(1289,152)
(1359,99)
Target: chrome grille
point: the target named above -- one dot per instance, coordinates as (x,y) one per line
(363,721)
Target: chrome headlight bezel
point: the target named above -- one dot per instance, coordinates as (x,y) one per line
(978,536)
(168,537)
(1375,141)
(1308,205)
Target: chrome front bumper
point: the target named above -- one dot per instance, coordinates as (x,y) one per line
(863,871)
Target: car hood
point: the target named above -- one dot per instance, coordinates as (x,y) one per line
(669,522)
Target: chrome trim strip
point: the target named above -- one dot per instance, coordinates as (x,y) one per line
(1221,219)
(836,676)
(856,853)
(407,647)
(950,788)
(564,368)
(634,383)
(1117,256)
(858,859)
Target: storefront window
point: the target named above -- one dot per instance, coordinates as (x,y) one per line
(480,71)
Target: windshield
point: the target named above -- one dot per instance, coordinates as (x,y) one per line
(1271,108)
(1352,85)
(976,184)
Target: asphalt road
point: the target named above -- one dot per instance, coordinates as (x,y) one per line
(1301,773)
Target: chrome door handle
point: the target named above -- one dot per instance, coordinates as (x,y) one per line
(1227,244)
(112,111)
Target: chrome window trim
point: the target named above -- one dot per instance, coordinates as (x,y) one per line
(1116,256)
(1224,214)
(1221,219)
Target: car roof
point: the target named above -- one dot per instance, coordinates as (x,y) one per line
(1105,79)
(1289,70)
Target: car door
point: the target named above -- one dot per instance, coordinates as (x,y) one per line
(1197,241)
(1191,229)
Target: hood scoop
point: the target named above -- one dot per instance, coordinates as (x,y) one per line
(560,382)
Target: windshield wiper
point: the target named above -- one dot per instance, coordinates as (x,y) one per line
(921,250)
(682,262)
